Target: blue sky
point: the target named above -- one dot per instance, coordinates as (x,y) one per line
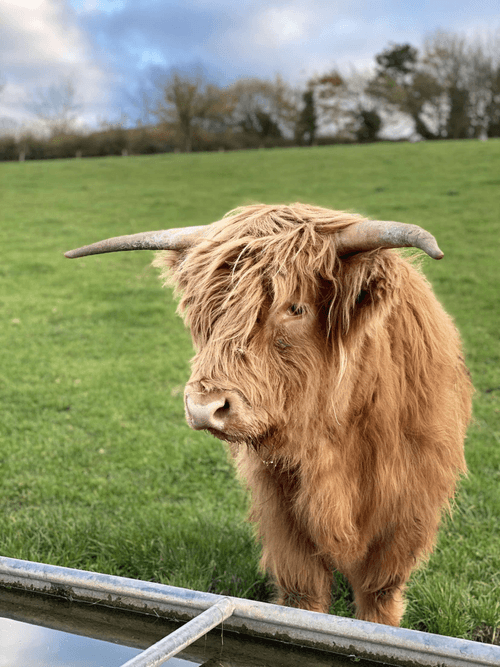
(109,48)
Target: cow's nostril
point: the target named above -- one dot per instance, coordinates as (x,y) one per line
(222,412)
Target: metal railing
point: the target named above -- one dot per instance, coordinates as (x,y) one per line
(204,611)
(180,639)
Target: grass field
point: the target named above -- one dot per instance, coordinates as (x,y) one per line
(99,470)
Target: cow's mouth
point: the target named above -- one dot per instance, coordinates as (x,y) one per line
(232,438)
(223,436)
(250,440)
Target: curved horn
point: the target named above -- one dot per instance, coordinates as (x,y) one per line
(372,234)
(166,239)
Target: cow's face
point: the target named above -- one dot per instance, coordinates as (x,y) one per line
(261,344)
(268,332)
(243,389)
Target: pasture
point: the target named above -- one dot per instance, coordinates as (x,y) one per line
(99,470)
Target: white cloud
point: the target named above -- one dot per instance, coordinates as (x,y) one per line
(276,26)
(38,30)
(41,45)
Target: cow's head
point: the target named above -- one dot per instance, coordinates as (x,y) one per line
(269,294)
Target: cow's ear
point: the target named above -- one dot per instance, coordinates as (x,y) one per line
(370,279)
(169,262)
(383,277)
(168,259)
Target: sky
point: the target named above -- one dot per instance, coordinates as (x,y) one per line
(111,49)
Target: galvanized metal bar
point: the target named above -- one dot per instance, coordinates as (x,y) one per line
(331,633)
(180,639)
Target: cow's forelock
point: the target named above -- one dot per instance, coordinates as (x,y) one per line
(255,258)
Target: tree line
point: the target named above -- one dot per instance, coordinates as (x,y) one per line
(450,89)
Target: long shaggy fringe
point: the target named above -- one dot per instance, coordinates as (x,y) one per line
(355,424)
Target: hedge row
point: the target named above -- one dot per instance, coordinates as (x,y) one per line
(141,141)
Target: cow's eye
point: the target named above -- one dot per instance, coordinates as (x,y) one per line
(296,309)
(361,296)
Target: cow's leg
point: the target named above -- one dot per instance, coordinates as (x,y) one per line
(385,606)
(379,580)
(302,577)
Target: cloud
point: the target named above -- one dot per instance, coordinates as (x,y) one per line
(277,26)
(299,41)
(109,47)
(41,44)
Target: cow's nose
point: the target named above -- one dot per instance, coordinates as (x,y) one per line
(207,411)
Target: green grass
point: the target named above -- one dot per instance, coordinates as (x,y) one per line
(98,469)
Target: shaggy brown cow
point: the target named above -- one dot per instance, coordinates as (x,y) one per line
(326,362)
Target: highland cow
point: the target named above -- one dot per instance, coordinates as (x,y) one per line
(326,362)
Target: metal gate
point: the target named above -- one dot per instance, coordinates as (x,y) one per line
(204,611)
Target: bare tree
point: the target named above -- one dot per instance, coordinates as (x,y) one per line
(446,58)
(345,106)
(484,87)
(187,101)
(468,70)
(492,112)
(333,102)
(492,51)
(57,107)
(264,108)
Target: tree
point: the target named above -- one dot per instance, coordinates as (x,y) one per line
(345,106)
(263,108)
(485,89)
(492,112)
(56,107)
(305,130)
(399,81)
(451,90)
(334,102)
(447,59)
(370,124)
(397,61)
(188,101)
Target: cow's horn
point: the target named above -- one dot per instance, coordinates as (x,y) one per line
(372,234)
(166,239)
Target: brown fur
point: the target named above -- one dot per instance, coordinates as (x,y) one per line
(350,413)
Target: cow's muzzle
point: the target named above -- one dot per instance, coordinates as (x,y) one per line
(212,411)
